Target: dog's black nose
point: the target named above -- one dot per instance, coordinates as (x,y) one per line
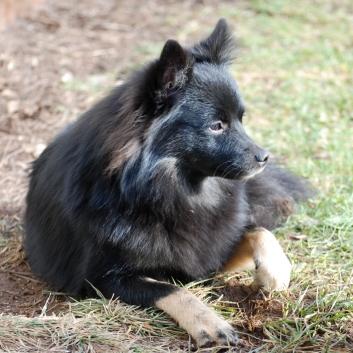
(262,156)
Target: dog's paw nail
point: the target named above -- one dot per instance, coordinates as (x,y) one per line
(217,335)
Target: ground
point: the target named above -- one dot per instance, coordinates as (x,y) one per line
(55,62)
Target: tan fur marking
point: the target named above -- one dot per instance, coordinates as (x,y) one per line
(260,247)
(120,156)
(203,325)
(242,258)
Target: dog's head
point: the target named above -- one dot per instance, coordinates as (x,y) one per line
(201,124)
(190,111)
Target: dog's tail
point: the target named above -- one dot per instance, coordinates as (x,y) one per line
(273,193)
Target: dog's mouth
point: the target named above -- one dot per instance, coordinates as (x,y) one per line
(252,173)
(243,171)
(240,173)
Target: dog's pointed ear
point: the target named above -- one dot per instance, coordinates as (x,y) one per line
(174,68)
(218,48)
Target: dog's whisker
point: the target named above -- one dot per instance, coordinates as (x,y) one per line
(214,174)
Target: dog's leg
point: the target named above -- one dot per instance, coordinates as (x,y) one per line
(260,249)
(203,325)
(195,317)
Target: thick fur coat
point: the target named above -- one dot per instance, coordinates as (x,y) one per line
(158,180)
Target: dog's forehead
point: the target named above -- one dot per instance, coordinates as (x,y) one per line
(215,86)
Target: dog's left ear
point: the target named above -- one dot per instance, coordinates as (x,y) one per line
(218,48)
(174,69)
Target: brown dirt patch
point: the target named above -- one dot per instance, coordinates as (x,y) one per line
(256,308)
(21,292)
(11,9)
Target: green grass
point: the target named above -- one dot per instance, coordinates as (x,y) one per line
(295,72)
(299,101)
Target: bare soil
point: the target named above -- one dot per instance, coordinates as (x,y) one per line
(53,63)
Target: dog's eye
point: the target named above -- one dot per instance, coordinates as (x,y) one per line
(217,127)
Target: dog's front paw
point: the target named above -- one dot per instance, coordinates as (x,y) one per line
(272,272)
(214,333)
(202,324)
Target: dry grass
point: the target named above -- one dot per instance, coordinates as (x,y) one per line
(101,325)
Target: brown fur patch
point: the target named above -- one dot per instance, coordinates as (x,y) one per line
(242,258)
(119,156)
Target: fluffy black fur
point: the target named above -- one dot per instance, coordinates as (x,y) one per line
(156,180)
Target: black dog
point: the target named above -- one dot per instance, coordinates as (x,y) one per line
(154,182)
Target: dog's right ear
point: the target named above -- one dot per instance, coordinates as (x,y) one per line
(218,48)
(174,69)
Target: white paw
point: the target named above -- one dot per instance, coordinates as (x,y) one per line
(273,274)
(272,266)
